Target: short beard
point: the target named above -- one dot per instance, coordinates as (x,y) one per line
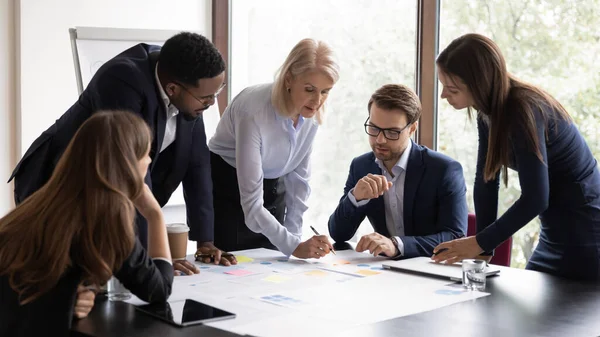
(192,116)
(189,117)
(392,156)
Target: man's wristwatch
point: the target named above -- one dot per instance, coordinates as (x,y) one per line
(395,242)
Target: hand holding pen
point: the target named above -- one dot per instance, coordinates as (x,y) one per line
(316,247)
(327,240)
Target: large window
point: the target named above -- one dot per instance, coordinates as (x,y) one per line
(551,43)
(375,45)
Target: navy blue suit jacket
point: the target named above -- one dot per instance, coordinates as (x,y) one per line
(127,82)
(435,206)
(563,188)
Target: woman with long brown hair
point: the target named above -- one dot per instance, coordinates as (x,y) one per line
(79,228)
(524,128)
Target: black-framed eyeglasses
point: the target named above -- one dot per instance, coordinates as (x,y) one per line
(389,134)
(202,99)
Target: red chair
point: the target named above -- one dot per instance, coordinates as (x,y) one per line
(501,253)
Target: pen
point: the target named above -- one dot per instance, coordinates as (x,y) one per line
(317,233)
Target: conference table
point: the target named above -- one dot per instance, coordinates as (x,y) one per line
(522,303)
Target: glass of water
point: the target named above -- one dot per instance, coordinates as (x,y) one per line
(117,291)
(474,274)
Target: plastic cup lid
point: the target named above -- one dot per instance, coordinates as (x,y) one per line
(177,228)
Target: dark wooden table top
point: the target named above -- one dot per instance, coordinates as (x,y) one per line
(522,303)
(114,319)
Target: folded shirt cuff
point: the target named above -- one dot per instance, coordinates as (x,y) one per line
(400,246)
(283,239)
(163,259)
(354,202)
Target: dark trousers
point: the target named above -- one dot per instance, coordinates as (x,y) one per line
(231,232)
(569,243)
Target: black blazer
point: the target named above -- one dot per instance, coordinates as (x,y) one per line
(435,206)
(127,82)
(52,313)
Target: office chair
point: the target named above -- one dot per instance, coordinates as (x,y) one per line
(502,253)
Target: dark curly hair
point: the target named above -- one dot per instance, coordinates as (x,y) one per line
(188,57)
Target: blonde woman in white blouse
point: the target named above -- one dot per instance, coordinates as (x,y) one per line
(260,156)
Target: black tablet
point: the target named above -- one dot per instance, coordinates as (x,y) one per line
(185,312)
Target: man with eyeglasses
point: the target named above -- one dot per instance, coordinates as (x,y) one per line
(169,87)
(414,197)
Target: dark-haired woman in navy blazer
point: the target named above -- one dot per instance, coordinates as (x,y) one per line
(524,128)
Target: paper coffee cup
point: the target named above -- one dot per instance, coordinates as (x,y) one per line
(178,238)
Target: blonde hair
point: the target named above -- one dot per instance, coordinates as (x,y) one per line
(307,55)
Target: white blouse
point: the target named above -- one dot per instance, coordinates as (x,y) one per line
(260,143)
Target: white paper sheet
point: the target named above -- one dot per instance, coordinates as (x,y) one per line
(270,293)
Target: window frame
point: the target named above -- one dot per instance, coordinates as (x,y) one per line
(427,40)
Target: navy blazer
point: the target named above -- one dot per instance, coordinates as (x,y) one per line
(435,206)
(563,188)
(127,82)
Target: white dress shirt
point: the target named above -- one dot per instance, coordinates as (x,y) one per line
(392,198)
(260,143)
(172,112)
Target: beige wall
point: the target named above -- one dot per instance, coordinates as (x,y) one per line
(37,77)
(8,100)
(47,74)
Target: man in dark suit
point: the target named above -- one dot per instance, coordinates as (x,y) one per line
(169,88)
(413,197)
